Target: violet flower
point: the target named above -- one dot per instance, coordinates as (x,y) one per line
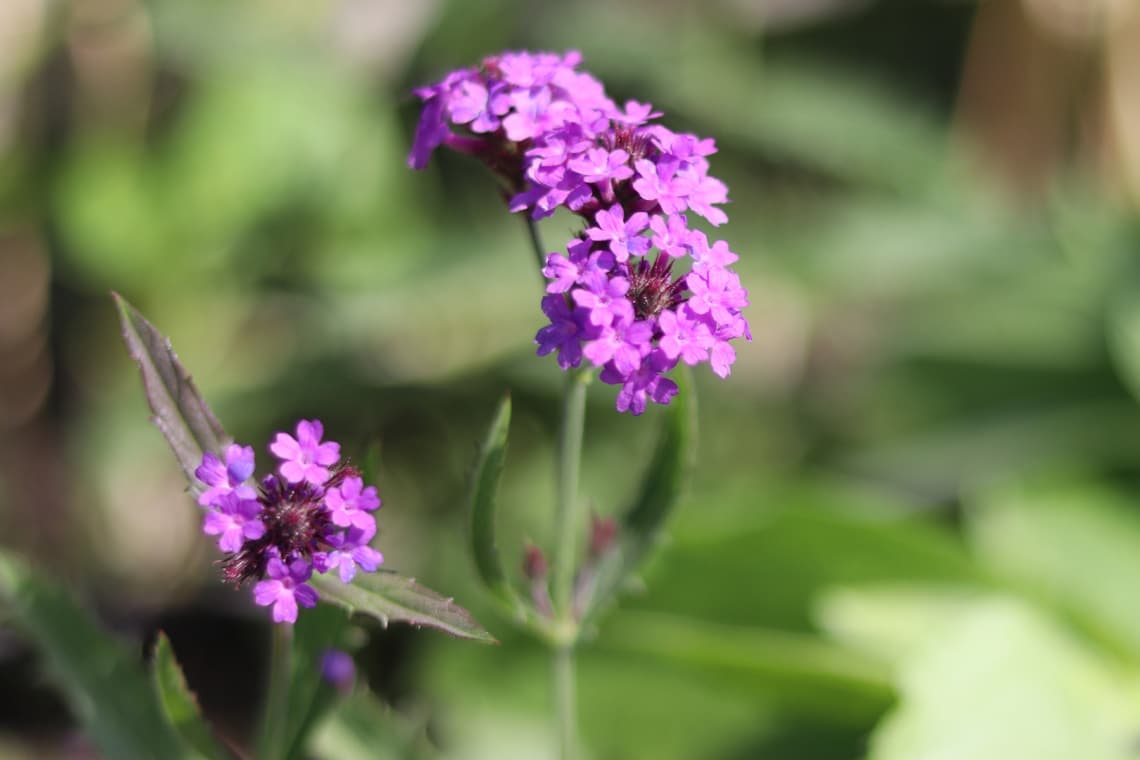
(638,290)
(312,515)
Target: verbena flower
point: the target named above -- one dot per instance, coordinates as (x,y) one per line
(313,515)
(621,296)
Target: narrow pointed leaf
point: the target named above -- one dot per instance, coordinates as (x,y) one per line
(662,487)
(103,682)
(179,703)
(484,502)
(180,413)
(389,597)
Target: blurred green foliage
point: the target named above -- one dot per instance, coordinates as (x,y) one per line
(913,530)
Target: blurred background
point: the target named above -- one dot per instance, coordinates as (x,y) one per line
(914,527)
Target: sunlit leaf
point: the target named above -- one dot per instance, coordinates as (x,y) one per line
(1003,681)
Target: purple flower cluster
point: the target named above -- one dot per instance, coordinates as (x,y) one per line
(314,513)
(614,298)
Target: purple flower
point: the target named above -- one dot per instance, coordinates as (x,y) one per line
(305,458)
(601,165)
(338,669)
(603,299)
(624,238)
(645,383)
(623,343)
(224,478)
(350,551)
(235,520)
(684,338)
(563,333)
(637,291)
(285,589)
(312,516)
(350,504)
(716,292)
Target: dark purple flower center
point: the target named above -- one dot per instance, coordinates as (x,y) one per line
(296,523)
(652,288)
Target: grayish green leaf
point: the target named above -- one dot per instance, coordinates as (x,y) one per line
(388,597)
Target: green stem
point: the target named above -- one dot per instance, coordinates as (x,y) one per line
(564,701)
(536,243)
(275,723)
(566,524)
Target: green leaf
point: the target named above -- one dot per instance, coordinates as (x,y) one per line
(310,696)
(104,684)
(180,413)
(484,502)
(387,597)
(1002,681)
(179,703)
(1074,545)
(804,670)
(663,484)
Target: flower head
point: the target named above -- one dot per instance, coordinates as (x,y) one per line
(313,515)
(638,290)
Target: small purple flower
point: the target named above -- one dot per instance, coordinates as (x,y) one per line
(350,504)
(350,551)
(647,382)
(338,669)
(624,238)
(563,333)
(603,299)
(305,458)
(285,589)
(623,343)
(601,165)
(684,338)
(224,478)
(235,520)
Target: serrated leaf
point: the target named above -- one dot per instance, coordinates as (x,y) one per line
(389,597)
(484,503)
(662,486)
(179,703)
(180,413)
(105,685)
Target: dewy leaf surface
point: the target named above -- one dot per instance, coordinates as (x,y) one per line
(389,597)
(180,413)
